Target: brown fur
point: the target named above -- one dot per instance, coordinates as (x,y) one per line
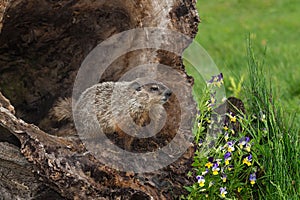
(116,104)
(62,109)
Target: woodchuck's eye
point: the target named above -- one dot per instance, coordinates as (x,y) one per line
(154,88)
(138,89)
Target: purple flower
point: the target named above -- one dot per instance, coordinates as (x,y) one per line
(227,155)
(247,139)
(243,141)
(252,178)
(250,157)
(200,142)
(248,160)
(201,180)
(215,169)
(223,191)
(227,158)
(248,147)
(220,77)
(216,80)
(230,146)
(224,178)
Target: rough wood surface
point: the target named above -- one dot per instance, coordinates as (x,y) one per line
(69,169)
(42,45)
(17,178)
(48,40)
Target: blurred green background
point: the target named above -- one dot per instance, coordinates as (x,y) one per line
(273,25)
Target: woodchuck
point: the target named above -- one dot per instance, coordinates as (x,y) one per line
(124,108)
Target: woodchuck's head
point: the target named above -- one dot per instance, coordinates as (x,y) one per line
(151,93)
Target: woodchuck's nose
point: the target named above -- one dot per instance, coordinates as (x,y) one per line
(168,93)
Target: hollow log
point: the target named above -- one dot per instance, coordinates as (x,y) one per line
(43,44)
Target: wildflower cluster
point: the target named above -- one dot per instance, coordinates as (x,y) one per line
(225,163)
(223,168)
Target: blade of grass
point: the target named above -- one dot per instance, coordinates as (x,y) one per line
(281,149)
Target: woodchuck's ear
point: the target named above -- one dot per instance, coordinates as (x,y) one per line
(135,85)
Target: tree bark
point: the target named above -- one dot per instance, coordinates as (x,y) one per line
(42,46)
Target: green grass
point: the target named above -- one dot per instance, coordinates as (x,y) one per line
(271,79)
(280,148)
(276,144)
(272,24)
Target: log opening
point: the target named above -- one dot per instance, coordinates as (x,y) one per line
(42,45)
